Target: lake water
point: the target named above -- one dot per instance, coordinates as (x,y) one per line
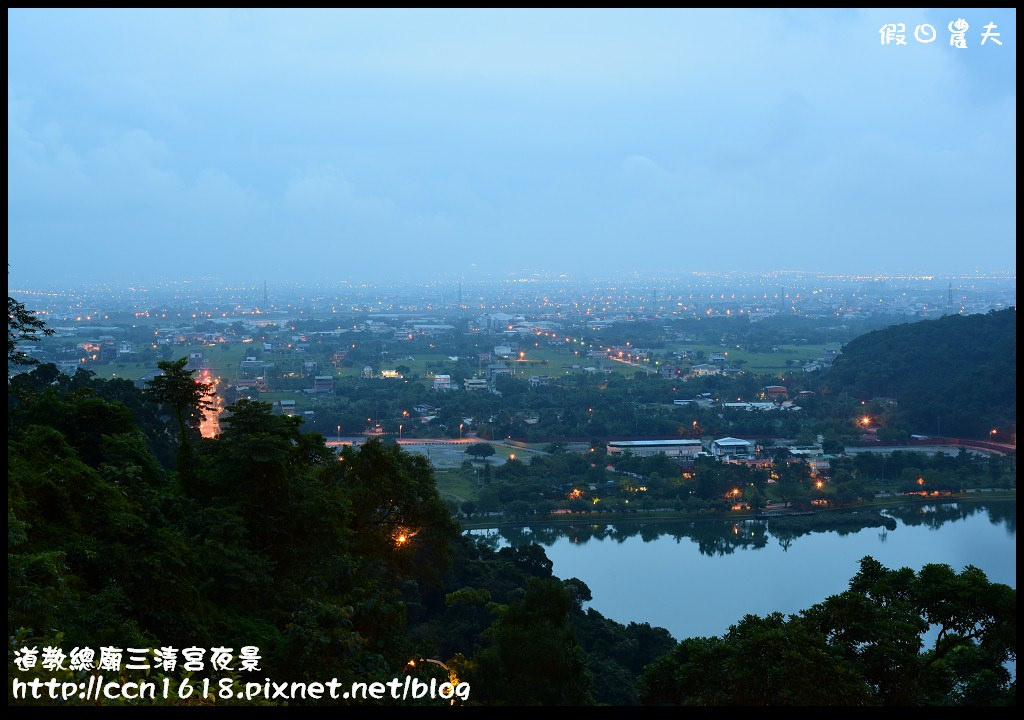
(698,577)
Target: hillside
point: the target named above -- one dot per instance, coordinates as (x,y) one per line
(955,376)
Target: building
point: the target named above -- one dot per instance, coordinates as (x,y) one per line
(647,448)
(196,361)
(495,322)
(434,330)
(668,371)
(442,382)
(474,384)
(287,407)
(251,368)
(538,380)
(705,369)
(323,383)
(699,402)
(775,391)
(730,447)
(496,370)
(143,381)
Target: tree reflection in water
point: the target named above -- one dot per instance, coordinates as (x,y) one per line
(723,537)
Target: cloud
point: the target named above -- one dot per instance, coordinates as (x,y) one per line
(324,189)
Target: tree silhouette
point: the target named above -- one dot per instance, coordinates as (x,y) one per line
(22,325)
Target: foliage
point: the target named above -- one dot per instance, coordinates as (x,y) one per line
(480,450)
(865,646)
(956,376)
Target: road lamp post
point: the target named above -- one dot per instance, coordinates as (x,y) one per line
(460,430)
(399,432)
(339,433)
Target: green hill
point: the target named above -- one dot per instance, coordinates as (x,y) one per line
(956,375)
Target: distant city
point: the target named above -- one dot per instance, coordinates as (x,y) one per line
(541,296)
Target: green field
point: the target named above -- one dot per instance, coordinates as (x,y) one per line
(456,485)
(556,357)
(302,400)
(223,362)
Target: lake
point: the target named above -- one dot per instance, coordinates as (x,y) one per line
(698,577)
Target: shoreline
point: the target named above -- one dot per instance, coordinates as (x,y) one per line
(679,516)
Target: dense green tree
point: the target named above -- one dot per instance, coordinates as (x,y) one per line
(480,450)
(864,646)
(187,399)
(955,375)
(532,657)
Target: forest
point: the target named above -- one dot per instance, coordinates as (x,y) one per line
(955,376)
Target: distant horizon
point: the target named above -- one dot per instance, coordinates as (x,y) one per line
(524,275)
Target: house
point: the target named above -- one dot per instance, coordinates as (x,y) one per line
(475,384)
(442,382)
(730,447)
(323,383)
(775,391)
(538,380)
(717,357)
(705,369)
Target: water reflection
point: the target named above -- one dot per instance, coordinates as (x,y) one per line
(935,515)
(716,537)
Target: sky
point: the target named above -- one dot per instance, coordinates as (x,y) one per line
(324,145)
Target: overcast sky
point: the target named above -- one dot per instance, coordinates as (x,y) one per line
(297,145)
